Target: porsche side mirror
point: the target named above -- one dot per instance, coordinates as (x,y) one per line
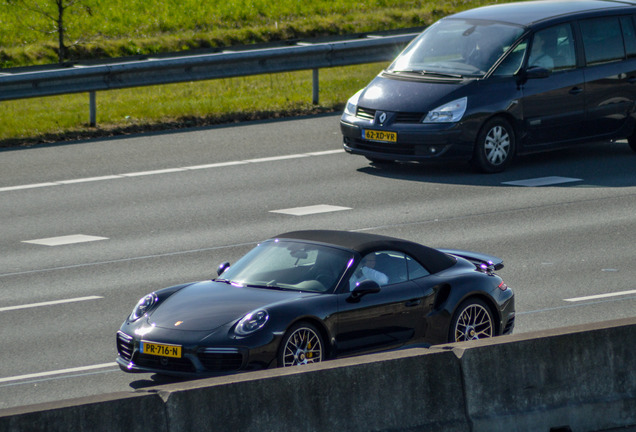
(365,287)
(222,268)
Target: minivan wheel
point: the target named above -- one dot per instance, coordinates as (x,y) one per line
(495,146)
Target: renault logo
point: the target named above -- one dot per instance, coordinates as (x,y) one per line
(382,117)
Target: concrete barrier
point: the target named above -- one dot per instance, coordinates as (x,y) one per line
(577,378)
(581,377)
(112,412)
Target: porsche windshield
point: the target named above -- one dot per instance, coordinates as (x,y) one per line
(456,48)
(289,265)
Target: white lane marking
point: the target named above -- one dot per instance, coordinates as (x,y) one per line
(599,296)
(303,211)
(30,186)
(57,372)
(49,303)
(542,181)
(169,170)
(65,240)
(89,179)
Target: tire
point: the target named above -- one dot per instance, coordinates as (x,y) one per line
(495,146)
(473,320)
(302,344)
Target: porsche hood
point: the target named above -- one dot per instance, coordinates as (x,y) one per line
(206,306)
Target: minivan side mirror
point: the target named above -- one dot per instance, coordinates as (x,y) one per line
(537,72)
(224,266)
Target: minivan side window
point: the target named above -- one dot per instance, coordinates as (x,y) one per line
(629,35)
(602,40)
(553,48)
(512,63)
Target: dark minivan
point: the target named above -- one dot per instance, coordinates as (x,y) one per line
(487,84)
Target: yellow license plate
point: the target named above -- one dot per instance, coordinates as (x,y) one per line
(162,350)
(384,136)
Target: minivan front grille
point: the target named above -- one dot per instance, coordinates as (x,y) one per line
(400,117)
(379,147)
(409,117)
(365,113)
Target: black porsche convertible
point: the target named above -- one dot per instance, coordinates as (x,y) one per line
(309,296)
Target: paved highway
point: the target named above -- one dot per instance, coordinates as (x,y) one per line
(90,227)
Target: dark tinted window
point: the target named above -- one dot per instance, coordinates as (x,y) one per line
(513,60)
(602,40)
(553,48)
(629,35)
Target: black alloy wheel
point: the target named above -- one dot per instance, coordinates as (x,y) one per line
(302,344)
(472,321)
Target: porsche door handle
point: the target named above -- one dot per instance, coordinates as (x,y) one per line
(413,302)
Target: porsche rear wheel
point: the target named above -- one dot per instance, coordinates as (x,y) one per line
(473,320)
(302,344)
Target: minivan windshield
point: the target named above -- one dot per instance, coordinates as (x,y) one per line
(456,48)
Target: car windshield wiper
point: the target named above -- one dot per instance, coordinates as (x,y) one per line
(227,281)
(426,72)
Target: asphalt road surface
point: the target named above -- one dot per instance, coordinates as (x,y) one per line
(90,227)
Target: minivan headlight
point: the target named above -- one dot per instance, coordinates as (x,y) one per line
(352,104)
(447,113)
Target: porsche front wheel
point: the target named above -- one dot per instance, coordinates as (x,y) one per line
(302,344)
(473,320)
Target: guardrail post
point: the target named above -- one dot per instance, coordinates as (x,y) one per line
(93,109)
(316,87)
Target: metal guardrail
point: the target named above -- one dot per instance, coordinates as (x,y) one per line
(86,78)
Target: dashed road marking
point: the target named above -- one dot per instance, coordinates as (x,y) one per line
(309,210)
(542,181)
(65,240)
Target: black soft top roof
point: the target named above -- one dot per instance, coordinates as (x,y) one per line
(363,243)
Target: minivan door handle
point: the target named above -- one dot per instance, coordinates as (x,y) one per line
(631,79)
(413,302)
(575,90)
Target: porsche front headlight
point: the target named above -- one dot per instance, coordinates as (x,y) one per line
(143,306)
(251,322)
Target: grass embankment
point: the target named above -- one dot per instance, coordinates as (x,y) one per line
(113,28)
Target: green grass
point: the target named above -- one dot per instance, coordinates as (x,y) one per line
(114,28)
(55,118)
